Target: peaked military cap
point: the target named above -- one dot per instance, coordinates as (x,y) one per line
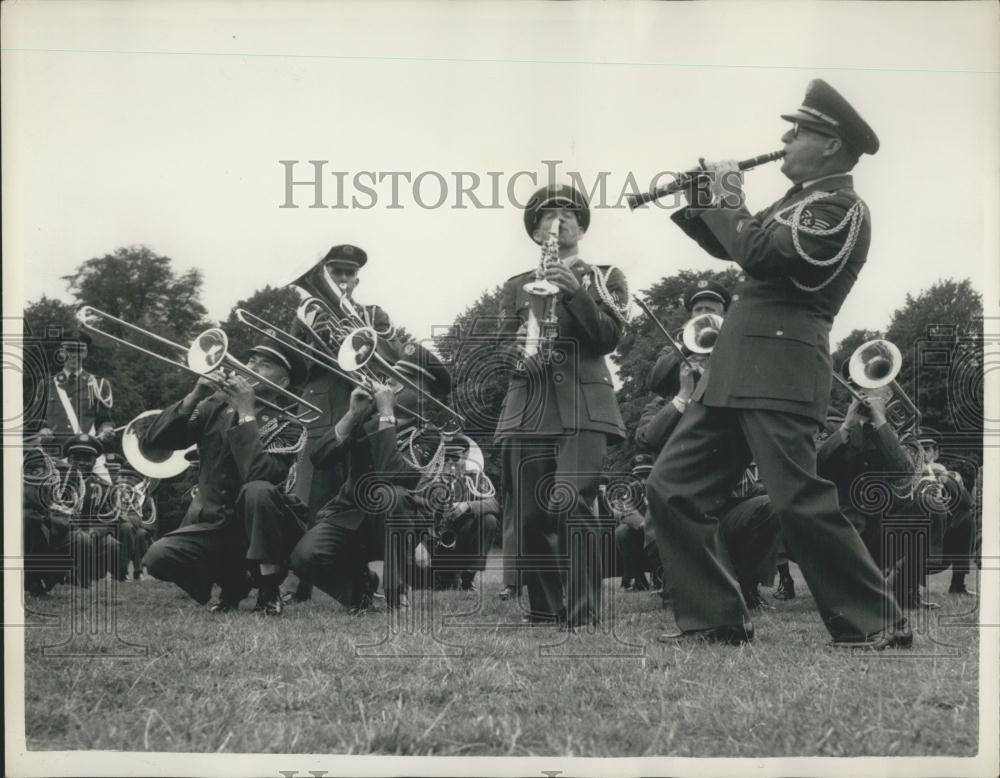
(825,108)
(562,196)
(423,366)
(709,289)
(78,337)
(929,437)
(83,442)
(642,465)
(346,254)
(284,355)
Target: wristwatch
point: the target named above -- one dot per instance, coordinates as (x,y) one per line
(246,419)
(386,419)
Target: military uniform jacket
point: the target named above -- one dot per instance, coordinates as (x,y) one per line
(867,453)
(578,376)
(230,455)
(331,394)
(658,420)
(90,412)
(774,349)
(371,461)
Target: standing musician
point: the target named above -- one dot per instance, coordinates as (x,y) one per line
(768,386)
(560,410)
(384,457)
(76,401)
(325,390)
(748,523)
(241,518)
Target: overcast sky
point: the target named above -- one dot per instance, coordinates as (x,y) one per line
(164,125)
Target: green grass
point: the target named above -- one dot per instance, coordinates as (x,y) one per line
(300,684)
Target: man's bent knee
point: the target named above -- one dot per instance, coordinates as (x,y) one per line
(257,491)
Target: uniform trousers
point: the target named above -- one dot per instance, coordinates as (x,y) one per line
(630,542)
(689,485)
(553,487)
(334,554)
(195,557)
(459,564)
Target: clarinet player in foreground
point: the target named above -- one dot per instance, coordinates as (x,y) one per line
(766,390)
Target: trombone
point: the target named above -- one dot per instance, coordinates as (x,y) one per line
(326,360)
(874,365)
(209,352)
(360,348)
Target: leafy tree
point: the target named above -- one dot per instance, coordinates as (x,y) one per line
(643,342)
(940,334)
(276,305)
(45,323)
(479,375)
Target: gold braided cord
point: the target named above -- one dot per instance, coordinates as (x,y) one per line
(601,283)
(100,391)
(853,219)
(433,467)
(269,438)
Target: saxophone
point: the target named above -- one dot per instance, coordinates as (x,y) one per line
(542,326)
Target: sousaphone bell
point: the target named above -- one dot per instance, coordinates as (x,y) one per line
(148,460)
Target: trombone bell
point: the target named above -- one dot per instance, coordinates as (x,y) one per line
(875,364)
(701,333)
(357,349)
(208,351)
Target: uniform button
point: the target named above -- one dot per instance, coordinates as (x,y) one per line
(605,379)
(558,378)
(780,332)
(741,279)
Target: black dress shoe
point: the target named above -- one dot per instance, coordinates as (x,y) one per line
(507,592)
(899,637)
(785,590)
(962,589)
(756,602)
(734,635)
(269,603)
(223,606)
(640,584)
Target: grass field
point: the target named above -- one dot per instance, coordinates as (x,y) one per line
(318,680)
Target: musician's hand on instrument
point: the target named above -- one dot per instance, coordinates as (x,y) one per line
(206,385)
(361,402)
(563,277)
(385,399)
(854,414)
(241,395)
(45,434)
(724,180)
(688,378)
(456,510)
(876,406)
